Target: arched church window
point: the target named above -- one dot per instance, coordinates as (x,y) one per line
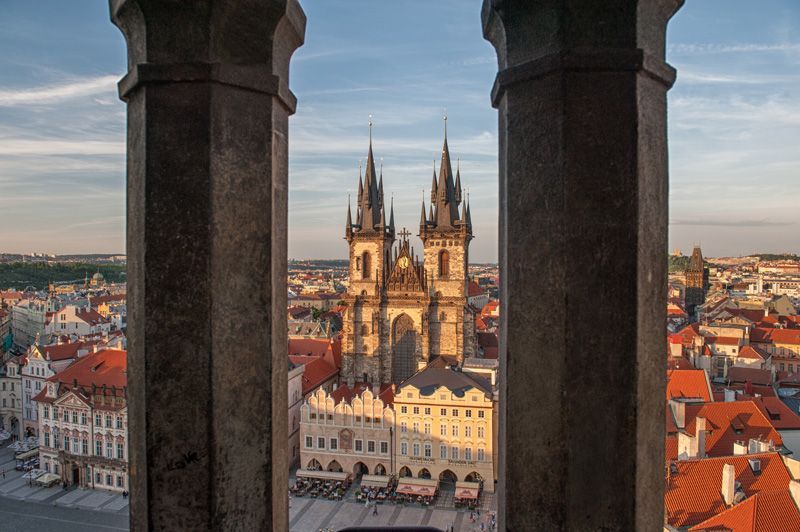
(365,265)
(444,263)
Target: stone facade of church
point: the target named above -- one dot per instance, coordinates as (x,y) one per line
(403,309)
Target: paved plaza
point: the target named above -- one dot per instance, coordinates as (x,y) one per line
(26,507)
(311,515)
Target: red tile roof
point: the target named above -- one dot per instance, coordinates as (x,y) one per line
(727,423)
(779,415)
(693,493)
(108,367)
(346,394)
(753,375)
(109,298)
(475,289)
(723,340)
(754,353)
(317,371)
(688,383)
(767,511)
(92,317)
(775,336)
(681,363)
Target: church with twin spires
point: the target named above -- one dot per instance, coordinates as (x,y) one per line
(404,310)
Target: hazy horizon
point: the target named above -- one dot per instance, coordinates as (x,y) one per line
(734,117)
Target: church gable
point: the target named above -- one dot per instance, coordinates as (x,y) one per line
(407,274)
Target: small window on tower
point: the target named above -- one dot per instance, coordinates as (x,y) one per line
(364,330)
(444,264)
(365,265)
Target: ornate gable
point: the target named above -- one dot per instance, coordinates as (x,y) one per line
(72,400)
(407,274)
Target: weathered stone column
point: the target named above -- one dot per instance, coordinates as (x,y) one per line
(581,94)
(208,107)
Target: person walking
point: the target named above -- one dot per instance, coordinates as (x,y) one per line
(4,473)
(375,509)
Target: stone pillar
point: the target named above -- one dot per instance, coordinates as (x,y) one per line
(581,95)
(208,107)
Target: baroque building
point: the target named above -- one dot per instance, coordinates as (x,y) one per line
(403,311)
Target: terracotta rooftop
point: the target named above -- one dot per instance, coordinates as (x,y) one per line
(688,383)
(753,353)
(767,511)
(108,367)
(775,336)
(475,289)
(753,375)
(727,423)
(346,394)
(693,493)
(316,372)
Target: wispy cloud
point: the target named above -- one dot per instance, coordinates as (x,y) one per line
(50,94)
(718,48)
(731,223)
(45,146)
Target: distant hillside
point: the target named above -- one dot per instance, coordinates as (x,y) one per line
(20,275)
(776,256)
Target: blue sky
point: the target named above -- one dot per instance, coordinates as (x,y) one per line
(734,120)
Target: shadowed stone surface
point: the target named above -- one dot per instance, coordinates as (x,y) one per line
(208,107)
(581,95)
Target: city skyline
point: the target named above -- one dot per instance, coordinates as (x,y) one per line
(733,113)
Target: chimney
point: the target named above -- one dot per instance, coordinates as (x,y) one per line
(728,483)
(700,434)
(730,395)
(679,412)
(739,448)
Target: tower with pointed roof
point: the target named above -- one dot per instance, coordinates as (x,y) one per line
(370,239)
(696,283)
(446,234)
(405,309)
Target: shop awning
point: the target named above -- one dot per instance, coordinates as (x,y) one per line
(417,486)
(48,479)
(322,475)
(375,481)
(27,454)
(467,490)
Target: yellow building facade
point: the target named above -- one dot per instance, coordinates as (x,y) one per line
(445,426)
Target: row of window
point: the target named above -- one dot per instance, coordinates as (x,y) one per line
(13,403)
(66,417)
(12,386)
(367,419)
(443,451)
(481,431)
(98,477)
(358,445)
(81,446)
(442,411)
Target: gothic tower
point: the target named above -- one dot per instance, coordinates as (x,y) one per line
(402,311)
(446,235)
(370,240)
(696,283)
